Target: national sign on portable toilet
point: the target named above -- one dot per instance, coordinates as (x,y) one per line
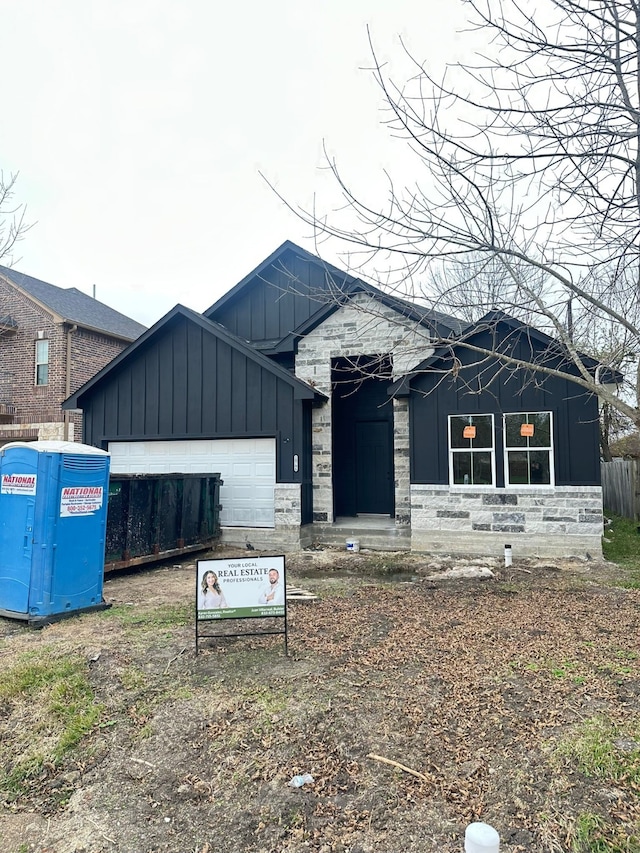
(53,513)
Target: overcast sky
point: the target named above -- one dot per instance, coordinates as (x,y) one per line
(139,128)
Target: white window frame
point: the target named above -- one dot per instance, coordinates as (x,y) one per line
(549,450)
(491,450)
(40,362)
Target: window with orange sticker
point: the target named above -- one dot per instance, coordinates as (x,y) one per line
(528,449)
(471,450)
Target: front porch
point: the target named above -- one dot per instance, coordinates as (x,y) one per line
(378,533)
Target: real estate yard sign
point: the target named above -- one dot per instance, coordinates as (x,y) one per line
(234,589)
(240,588)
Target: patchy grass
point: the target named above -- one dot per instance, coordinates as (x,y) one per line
(621,544)
(143,693)
(591,833)
(606,751)
(50,707)
(617,665)
(157,618)
(610,753)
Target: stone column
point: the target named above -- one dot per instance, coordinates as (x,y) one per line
(401,462)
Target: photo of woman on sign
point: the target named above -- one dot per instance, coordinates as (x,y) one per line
(210,596)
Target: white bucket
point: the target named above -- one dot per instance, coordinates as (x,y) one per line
(481,838)
(353,545)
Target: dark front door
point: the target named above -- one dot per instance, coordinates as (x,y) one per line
(362,453)
(374,467)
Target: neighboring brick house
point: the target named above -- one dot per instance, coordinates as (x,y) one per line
(334,410)
(52,341)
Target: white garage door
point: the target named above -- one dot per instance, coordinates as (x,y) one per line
(247,466)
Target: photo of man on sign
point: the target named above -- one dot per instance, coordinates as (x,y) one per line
(273,592)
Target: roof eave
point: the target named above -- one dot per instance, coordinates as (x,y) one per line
(97,330)
(59,318)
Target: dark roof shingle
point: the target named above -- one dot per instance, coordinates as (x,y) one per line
(76,307)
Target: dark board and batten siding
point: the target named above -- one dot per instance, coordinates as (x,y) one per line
(434,397)
(186,383)
(281,298)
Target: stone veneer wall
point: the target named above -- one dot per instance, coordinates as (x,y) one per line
(563,521)
(402,462)
(364,327)
(287,533)
(54,431)
(288,505)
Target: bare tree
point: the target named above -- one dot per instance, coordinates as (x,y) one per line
(469,289)
(13,225)
(530,165)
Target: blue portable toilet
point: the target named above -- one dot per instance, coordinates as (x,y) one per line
(53,514)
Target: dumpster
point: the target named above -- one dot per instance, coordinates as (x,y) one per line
(53,509)
(156,516)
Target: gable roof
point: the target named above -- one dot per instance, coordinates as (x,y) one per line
(340,286)
(302,389)
(490,322)
(73,306)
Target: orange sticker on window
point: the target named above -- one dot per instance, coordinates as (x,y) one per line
(526,430)
(469,432)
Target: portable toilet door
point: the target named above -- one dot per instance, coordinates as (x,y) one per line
(53,507)
(18,483)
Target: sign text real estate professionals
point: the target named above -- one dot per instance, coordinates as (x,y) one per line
(240,587)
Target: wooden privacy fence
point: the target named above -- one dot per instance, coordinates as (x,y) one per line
(621,488)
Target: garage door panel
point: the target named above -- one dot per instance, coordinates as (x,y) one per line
(263,519)
(199,451)
(263,493)
(247,467)
(263,469)
(239,448)
(243,516)
(246,493)
(249,515)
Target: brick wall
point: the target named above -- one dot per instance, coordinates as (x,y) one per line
(90,351)
(40,405)
(17,360)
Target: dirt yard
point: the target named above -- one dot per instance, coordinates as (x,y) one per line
(512,699)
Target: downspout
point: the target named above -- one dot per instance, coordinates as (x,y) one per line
(67,383)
